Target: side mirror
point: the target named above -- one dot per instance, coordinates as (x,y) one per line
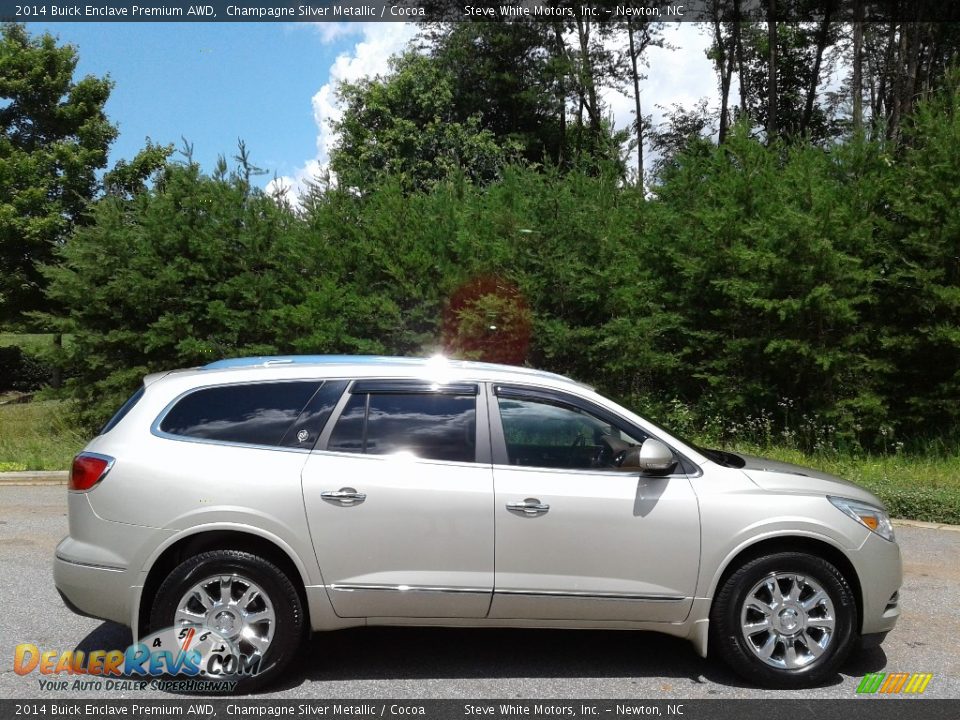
(652,457)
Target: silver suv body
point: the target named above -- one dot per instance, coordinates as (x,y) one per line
(263,497)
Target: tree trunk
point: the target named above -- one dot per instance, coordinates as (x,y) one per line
(634,56)
(913,61)
(884,104)
(856,88)
(738,47)
(822,36)
(725,69)
(562,52)
(896,95)
(932,54)
(587,80)
(578,147)
(772,71)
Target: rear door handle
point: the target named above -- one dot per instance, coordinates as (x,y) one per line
(530,506)
(344,496)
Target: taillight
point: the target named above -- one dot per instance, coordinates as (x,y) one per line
(89,469)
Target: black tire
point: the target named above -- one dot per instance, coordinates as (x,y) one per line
(289,627)
(727,638)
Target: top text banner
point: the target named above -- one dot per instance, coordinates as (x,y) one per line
(638,11)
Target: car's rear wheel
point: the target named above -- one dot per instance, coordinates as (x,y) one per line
(242,598)
(786,620)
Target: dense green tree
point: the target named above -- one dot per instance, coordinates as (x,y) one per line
(473,97)
(508,75)
(775,281)
(684,131)
(916,272)
(191,269)
(54,136)
(770,282)
(129,178)
(406,126)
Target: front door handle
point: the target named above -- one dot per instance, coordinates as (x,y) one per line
(344,496)
(530,506)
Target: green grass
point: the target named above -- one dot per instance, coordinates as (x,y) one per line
(30,342)
(37,436)
(916,487)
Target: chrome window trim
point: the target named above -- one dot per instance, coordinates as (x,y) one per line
(95,566)
(578,595)
(226,443)
(410,588)
(594,472)
(557,594)
(413,386)
(404,458)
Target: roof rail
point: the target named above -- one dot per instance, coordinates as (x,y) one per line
(282,360)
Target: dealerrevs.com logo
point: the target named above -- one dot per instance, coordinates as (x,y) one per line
(184,659)
(894,683)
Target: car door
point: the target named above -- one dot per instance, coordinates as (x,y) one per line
(399,500)
(576,537)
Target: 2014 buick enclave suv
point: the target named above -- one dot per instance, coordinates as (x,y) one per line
(261,498)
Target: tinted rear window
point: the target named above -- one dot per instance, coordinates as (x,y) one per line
(427,425)
(258,414)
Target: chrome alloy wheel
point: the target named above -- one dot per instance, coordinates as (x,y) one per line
(234,607)
(787,620)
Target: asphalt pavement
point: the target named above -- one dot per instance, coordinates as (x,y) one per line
(371,663)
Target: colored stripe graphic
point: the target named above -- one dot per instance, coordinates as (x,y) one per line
(894,683)
(918,682)
(870,683)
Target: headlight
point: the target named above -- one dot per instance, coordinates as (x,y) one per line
(867,515)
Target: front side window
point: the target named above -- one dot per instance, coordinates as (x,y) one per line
(542,433)
(256,414)
(431,426)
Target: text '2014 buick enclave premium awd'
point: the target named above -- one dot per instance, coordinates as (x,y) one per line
(259,498)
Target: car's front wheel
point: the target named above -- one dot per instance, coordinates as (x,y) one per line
(786,620)
(245,600)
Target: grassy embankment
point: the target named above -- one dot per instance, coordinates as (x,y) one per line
(37,436)
(28,342)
